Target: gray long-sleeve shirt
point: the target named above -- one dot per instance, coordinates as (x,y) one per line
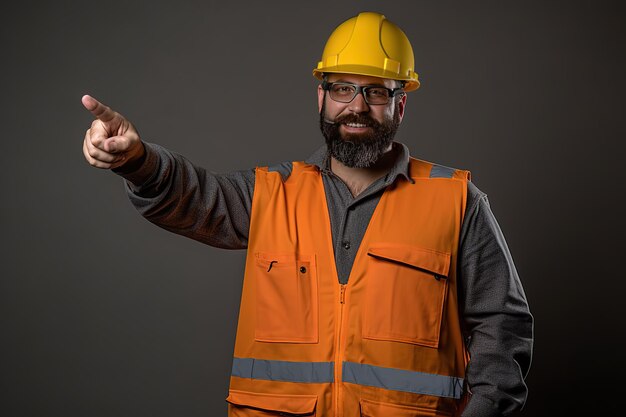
(178,196)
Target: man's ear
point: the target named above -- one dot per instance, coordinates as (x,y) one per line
(320,98)
(401,105)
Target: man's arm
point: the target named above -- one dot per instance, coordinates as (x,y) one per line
(495,314)
(171,192)
(166,188)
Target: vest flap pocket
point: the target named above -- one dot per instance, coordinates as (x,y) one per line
(279,403)
(406,292)
(436,262)
(378,409)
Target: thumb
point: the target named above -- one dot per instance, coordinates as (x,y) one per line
(110,145)
(119,144)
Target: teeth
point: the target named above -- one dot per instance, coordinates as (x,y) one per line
(355,125)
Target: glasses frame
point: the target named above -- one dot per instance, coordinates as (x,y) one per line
(362,89)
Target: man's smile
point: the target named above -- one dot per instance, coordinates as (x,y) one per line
(354,127)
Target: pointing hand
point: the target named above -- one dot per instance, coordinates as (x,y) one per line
(111,141)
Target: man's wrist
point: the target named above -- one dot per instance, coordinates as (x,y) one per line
(133,164)
(140,170)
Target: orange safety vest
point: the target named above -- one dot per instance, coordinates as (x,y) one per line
(387,343)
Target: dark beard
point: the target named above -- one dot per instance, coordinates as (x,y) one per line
(358,151)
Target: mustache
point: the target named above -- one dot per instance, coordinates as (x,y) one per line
(353,118)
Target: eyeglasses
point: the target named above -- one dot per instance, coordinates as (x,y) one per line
(373,95)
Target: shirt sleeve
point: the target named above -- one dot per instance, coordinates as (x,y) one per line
(496,319)
(171,192)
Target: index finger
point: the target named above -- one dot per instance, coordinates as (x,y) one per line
(98,109)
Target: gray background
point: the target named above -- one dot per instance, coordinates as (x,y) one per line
(104,314)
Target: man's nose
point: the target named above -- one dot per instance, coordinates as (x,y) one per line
(358,103)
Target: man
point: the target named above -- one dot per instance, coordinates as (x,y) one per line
(376,284)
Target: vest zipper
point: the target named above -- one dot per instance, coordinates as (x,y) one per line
(339,352)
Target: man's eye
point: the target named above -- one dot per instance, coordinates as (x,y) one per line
(377,92)
(344,89)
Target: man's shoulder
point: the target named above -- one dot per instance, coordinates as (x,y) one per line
(420,168)
(283,168)
(474,194)
(286,168)
(435,170)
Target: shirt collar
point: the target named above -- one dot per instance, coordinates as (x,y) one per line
(321,159)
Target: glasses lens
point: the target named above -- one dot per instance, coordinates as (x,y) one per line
(342,92)
(376,95)
(345,93)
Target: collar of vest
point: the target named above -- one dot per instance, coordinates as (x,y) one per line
(418,169)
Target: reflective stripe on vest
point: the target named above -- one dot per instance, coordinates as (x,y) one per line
(310,372)
(356,373)
(402,380)
(440,171)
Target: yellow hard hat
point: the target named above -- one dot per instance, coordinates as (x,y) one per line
(369,44)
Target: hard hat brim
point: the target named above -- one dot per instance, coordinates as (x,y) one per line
(411,84)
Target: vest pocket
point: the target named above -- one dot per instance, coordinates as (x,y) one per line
(252,404)
(407,288)
(286,298)
(378,409)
